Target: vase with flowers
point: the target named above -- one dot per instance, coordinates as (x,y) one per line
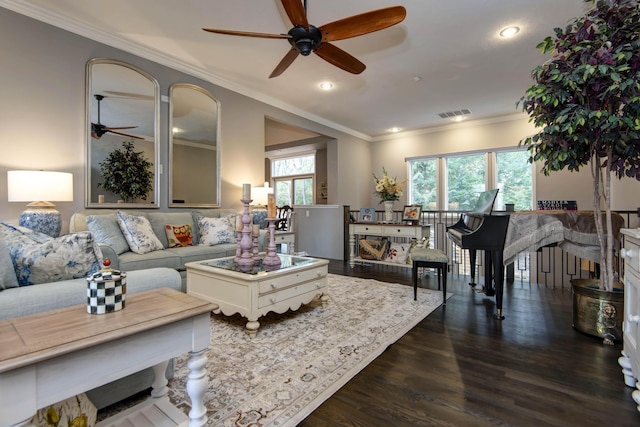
(389,190)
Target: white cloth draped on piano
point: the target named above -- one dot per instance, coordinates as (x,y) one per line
(573,232)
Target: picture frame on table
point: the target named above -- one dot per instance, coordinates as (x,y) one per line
(367,215)
(411,213)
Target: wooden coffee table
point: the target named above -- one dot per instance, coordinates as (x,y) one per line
(256,292)
(51,356)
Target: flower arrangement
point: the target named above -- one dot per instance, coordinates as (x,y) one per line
(387,188)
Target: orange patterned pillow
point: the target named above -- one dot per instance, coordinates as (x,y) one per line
(178,235)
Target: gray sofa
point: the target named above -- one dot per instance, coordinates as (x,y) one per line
(99,239)
(124,259)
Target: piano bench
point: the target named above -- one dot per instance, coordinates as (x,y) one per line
(429,258)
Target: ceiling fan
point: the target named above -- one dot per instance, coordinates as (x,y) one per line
(305,38)
(98,129)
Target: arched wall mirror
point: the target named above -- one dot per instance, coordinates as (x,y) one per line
(194,156)
(123,110)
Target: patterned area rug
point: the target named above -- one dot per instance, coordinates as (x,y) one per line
(299,359)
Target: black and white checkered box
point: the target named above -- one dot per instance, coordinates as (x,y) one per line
(106,291)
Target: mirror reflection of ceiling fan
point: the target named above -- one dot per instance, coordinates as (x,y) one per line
(305,38)
(98,129)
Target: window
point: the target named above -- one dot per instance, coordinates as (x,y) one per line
(515,178)
(294,180)
(423,183)
(465,179)
(466,175)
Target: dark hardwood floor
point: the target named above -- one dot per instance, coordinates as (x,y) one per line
(460,367)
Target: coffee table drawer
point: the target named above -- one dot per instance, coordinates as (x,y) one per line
(274,298)
(277,283)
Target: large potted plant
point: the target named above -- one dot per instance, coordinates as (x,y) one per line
(127,173)
(586,104)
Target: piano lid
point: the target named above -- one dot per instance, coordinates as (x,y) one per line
(485,201)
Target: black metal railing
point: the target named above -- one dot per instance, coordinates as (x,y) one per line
(549,266)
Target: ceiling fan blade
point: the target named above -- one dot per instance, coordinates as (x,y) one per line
(363,23)
(125,134)
(119,127)
(340,58)
(296,13)
(248,34)
(284,63)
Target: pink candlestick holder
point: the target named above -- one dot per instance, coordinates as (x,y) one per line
(245,259)
(271,259)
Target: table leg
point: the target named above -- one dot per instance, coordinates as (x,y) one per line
(159,387)
(252,327)
(197,385)
(324,299)
(352,254)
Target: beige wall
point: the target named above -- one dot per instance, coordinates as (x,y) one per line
(42,113)
(470,136)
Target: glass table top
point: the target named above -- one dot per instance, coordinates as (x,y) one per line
(286,261)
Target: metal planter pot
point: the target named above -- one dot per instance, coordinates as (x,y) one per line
(597,312)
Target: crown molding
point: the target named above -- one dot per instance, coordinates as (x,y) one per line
(453,126)
(57,20)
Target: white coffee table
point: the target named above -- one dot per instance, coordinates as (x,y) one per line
(255,293)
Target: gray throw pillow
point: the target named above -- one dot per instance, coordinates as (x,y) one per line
(7,273)
(106,231)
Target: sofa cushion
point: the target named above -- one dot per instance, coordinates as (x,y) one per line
(39,259)
(139,234)
(49,296)
(215,231)
(178,235)
(130,261)
(159,221)
(7,273)
(202,252)
(106,230)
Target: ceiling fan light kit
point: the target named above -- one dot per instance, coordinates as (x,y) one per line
(305,38)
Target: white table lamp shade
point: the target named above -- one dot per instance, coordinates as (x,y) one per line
(259,195)
(40,188)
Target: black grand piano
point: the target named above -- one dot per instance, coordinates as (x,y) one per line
(482,230)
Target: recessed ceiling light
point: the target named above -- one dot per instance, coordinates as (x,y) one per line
(458,119)
(509,32)
(326,85)
(394,130)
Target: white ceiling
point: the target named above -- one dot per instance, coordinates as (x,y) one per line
(452,46)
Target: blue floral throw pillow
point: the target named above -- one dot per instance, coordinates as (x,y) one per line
(139,233)
(38,258)
(215,231)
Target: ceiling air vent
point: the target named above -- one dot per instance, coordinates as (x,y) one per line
(451,114)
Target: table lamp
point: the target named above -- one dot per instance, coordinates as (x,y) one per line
(260,199)
(259,194)
(40,188)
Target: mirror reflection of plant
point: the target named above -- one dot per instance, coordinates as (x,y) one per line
(127,173)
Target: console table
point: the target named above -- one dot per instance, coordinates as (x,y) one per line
(286,237)
(404,231)
(50,356)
